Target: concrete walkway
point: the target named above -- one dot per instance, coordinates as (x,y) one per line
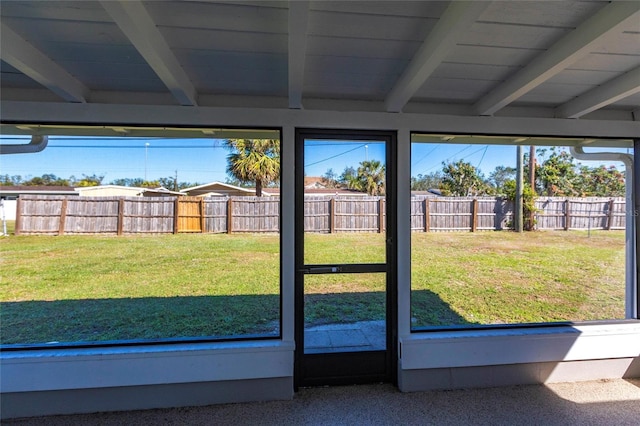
(611,402)
(360,336)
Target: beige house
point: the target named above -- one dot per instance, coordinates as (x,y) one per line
(219,189)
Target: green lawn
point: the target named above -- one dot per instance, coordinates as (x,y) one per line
(92,288)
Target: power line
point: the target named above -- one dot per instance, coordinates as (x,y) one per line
(426,155)
(334,156)
(482,158)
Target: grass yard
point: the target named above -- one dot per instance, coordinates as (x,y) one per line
(505,277)
(92,288)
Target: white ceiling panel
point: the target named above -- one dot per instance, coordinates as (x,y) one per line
(474,71)
(90,11)
(67,31)
(606,62)
(629,103)
(458,89)
(371,81)
(376,27)
(347,50)
(566,14)
(92,71)
(84,52)
(424,9)
(585,77)
(511,35)
(11,77)
(487,55)
(627,43)
(236,17)
(550,93)
(361,48)
(181,38)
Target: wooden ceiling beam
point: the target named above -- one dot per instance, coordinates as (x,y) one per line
(451,26)
(26,58)
(609,21)
(136,23)
(612,91)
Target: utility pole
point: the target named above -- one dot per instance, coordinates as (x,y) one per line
(175,182)
(518,216)
(532,181)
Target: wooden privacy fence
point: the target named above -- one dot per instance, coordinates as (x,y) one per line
(138,215)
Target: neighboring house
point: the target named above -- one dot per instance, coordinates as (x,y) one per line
(428,193)
(10,195)
(124,191)
(219,189)
(319,192)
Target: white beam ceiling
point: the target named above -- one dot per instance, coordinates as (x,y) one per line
(136,23)
(608,22)
(457,19)
(23,56)
(298,22)
(611,91)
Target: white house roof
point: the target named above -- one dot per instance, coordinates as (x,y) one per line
(565,59)
(102,187)
(217,186)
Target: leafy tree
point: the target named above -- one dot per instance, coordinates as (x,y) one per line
(557,174)
(128,182)
(499,177)
(371,175)
(601,182)
(349,179)
(528,201)
(93,180)
(46,180)
(330,179)
(254,160)
(461,179)
(6,180)
(169,182)
(426,182)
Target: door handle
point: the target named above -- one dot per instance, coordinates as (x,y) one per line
(322,270)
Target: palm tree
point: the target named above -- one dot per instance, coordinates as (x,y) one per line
(371,174)
(254,160)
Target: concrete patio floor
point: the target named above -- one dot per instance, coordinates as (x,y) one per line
(607,402)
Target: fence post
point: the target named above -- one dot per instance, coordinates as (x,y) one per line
(201,211)
(120,215)
(567,215)
(610,221)
(381,215)
(18,225)
(332,215)
(474,215)
(427,215)
(63,216)
(176,213)
(229,216)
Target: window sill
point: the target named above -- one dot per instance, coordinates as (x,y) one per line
(470,348)
(57,369)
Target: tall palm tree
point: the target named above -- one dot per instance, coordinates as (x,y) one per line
(254,160)
(372,176)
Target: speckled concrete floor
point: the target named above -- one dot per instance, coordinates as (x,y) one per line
(609,402)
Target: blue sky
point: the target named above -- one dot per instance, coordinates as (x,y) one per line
(204,160)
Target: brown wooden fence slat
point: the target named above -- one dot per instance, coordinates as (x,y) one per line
(131,215)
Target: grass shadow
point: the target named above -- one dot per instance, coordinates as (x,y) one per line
(429,310)
(147,318)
